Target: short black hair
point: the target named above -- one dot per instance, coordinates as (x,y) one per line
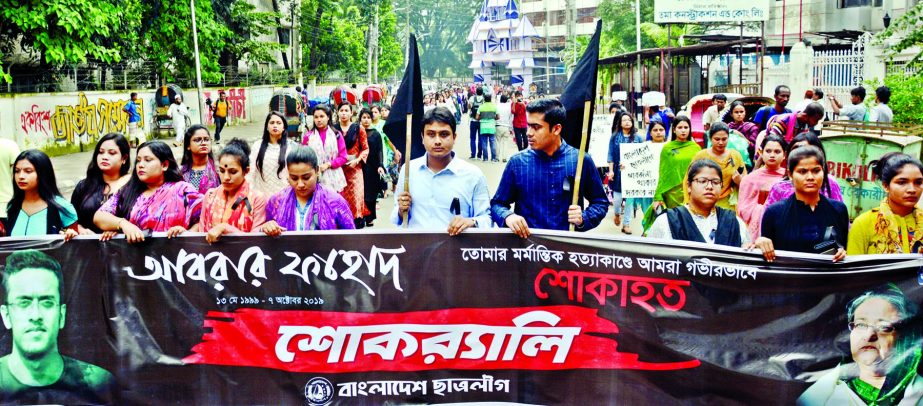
(883,93)
(719,96)
(859,92)
(819,93)
(488,97)
(439,115)
(779,89)
(132,95)
(552,109)
(31,259)
(479,91)
(696,166)
(814,109)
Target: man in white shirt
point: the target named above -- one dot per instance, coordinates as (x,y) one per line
(505,127)
(178,112)
(881,113)
(714,113)
(854,112)
(446,192)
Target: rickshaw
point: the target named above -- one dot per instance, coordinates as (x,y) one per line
(289,104)
(695,108)
(163,98)
(343,94)
(373,95)
(751,104)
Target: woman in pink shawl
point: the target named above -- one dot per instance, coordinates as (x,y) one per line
(198,164)
(738,113)
(330,147)
(755,186)
(305,204)
(156,198)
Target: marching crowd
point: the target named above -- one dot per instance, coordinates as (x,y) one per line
(760,183)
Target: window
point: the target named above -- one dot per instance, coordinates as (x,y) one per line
(557,17)
(537,19)
(858,3)
(586,15)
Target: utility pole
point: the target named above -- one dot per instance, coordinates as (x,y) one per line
(372,59)
(198,65)
(547,50)
(570,18)
(377,48)
(638,49)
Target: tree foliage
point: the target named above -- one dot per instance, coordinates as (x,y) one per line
(906,98)
(247,26)
(442,28)
(909,29)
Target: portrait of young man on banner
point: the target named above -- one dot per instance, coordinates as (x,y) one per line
(884,343)
(34,311)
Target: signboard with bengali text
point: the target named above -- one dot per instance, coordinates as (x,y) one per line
(708,11)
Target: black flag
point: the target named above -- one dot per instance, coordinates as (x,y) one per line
(580,88)
(409,99)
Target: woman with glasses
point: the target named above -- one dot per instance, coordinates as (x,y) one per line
(198,164)
(807,221)
(701,220)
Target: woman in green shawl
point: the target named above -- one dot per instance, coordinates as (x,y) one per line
(675,158)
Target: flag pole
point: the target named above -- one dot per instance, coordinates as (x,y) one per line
(581,155)
(407,147)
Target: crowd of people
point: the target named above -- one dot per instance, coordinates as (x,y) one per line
(760,183)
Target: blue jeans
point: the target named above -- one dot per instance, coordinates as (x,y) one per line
(631,204)
(475,130)
(484,140)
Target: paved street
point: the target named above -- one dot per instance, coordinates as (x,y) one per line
(71,168)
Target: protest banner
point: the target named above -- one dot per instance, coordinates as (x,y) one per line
(642,164)
(423,318)
(599,139)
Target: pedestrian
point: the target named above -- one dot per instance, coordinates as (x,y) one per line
(662,114)
(268,156)
(178,112)
(462,201)
(675,158)
(808,99)
(133,111)
(893,226)
(220,113)
(374,174)
(9,150)
(807,221)
(540,181)
(856,110)
(700,219)
(623,132)
(791,124)
(520,125)
(781,94)
(487,116)
(729,160)
(716,111)
(881,113)
(233,207)
(738,123)
(305,204)
(755,187)
(37,207)
(504,127)
(198,163)
(357,152)
(106,174)
(156,198)
(474,102)
(784,188)
(330,149)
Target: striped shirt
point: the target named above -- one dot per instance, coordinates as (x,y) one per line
(534,182)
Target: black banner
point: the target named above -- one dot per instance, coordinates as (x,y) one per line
(375,318)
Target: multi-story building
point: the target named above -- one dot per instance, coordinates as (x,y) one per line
(550,19)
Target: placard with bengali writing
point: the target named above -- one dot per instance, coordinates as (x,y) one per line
(641,164)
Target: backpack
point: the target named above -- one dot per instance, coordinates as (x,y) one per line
(476,104)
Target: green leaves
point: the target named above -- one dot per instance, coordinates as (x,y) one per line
(906,97)
(909,28)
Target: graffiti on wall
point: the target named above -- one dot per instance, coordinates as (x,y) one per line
(92,120)
(35,120)
(237,101)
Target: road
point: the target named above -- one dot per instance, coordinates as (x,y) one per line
(71,168)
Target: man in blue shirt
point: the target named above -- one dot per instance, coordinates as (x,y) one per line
(782,94)
(446,193)
(538,180)
(134,120)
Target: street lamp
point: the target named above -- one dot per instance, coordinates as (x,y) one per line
(886,20)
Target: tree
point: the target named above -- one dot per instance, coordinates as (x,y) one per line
(618,33)
(910,28)
(62,31)
(247,25)
(442,28)
(391,58)
(168,40)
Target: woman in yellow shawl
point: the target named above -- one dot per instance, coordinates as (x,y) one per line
(675,158)
(731,162)
(893,227)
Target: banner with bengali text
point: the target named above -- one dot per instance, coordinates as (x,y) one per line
(375,318)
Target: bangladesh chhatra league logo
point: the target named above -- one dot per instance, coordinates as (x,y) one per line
(318,391)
